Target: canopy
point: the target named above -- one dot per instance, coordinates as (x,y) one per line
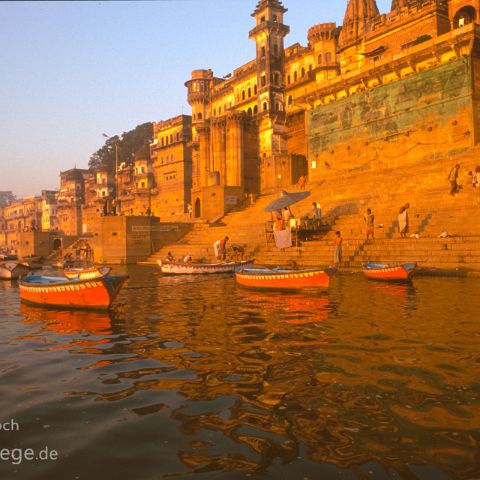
(285,200)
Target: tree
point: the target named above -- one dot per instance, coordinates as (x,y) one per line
(128,145)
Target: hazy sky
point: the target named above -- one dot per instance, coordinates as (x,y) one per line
(70,71)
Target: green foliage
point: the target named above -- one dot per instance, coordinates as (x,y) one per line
(129,144)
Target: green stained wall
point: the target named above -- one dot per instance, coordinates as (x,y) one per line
(412,104)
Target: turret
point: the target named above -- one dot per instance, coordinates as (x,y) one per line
(268,34)
(199,94)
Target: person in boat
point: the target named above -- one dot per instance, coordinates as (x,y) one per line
(170,257)
(188,258)
(369,219)
(220,248)
(337,256)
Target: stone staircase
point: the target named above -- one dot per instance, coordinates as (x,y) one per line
(345,195)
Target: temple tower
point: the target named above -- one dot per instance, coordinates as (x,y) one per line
(356,24)
(269,34)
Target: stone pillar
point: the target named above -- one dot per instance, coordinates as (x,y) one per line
(204,155)
(235,157)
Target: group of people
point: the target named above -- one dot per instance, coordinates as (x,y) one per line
(369,219)
(453,178)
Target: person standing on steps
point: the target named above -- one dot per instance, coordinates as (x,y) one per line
(452,178)
(337,256)
(403,220)
(369,219)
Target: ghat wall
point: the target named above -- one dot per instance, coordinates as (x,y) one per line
(431,111)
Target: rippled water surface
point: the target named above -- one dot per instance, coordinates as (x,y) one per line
(197,378)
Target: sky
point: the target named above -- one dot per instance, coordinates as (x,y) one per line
(71,71)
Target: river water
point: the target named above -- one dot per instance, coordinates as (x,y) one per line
(196,378)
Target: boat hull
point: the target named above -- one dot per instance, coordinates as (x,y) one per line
(179,268)
(12,270)
(390,273)
(97,293)
(284,280)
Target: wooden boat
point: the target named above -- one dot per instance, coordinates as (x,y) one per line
(179,268)
(379,271)
(97,293)
(276,278)
(12,270)
(87,273)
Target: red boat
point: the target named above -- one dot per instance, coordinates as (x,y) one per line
(97,293)
(379,271)
(276,278)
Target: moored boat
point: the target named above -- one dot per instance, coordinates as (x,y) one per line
(97,293)
(284,279)
(379,271)
(179,268)
(12,270)
(86,273)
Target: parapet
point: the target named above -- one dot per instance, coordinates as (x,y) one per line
(322,32)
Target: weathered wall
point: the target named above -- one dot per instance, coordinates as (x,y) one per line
(407,119)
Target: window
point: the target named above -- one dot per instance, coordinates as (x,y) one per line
(255,89)
(319,59)
(295,76)
(262,54)
(303,72)
(249,111)
(263,80)
(249,92)
(265,106)
(289,80)
(255,110)
(290,100)
(243,94)
(199,117)
(328,58)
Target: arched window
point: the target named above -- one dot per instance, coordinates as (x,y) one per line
(249,92)
(328,58)
(464,16)
(295,76)
(290,100)
(319,59)
(303,72)
(255,89)
(262,50)
(265,106)
(243,94)
(289,79)
(199,116)
(249,111)
(255,109)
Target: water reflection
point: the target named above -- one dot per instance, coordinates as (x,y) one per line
(368,380)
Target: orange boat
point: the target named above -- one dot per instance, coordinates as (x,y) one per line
(276,278)
(395,273)
(97,293)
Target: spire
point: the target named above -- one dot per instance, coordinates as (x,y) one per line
(357,18)
(262,4)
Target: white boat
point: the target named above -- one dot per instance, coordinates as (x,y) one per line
(179,268)
(12,270)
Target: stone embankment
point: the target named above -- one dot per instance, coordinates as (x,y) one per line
(344,197)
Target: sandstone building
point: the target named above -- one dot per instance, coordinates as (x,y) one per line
(377,90)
